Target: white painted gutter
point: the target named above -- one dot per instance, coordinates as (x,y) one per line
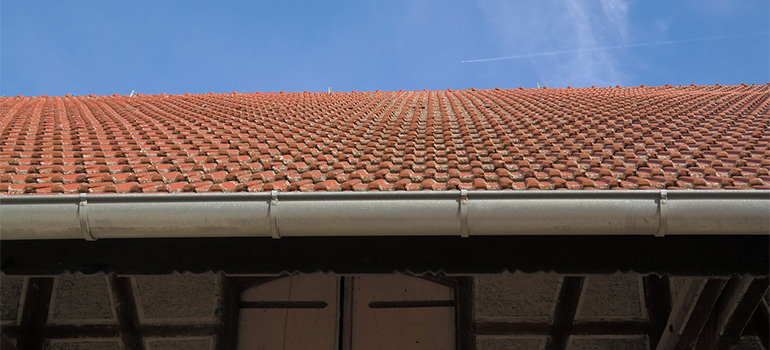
(444,213)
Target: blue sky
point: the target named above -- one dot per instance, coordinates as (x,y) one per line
(103,47)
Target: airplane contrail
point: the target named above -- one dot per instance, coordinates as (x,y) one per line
(657,43)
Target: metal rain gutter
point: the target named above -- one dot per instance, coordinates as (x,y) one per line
(437,213)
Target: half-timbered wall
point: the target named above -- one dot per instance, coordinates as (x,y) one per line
(499,311)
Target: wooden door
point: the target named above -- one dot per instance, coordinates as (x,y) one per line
(401,312)
(293,313)
(377,312)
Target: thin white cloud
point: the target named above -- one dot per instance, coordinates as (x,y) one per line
(550,26)
(616,47)
(616,13)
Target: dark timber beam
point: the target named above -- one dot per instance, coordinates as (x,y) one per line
(607,327)
(227,328)
(761,323)
(74,331)
(346,289)
(657,300)
(601,327)
(566,307)
(512,328)
(34,316)
(690,313)
(128,318)
(708,335)
(739,301)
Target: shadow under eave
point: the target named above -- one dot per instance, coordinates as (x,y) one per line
(674,255)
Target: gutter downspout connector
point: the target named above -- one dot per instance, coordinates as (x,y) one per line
(429,213)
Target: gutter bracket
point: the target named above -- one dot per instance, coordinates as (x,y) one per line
(83,216)
(662,214)
(272,215)
(464,231)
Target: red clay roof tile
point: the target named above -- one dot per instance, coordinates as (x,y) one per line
(675,137)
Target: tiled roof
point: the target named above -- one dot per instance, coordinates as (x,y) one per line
(548,139)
